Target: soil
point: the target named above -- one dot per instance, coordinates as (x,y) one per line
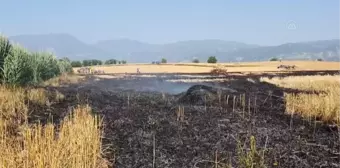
(141,127)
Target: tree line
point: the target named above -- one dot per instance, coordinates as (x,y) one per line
(211,59)
(96,62)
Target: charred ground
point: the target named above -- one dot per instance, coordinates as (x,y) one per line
(142,129)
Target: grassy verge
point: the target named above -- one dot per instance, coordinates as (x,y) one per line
(323,103)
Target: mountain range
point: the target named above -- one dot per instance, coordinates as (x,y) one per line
(65,45)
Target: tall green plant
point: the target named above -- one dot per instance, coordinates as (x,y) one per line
(20,67)
(65,66)
(5,48)
(44,66)
(16,68)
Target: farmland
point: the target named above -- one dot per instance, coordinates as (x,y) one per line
(169,115)
(231,67)
(180,115)
(174,120)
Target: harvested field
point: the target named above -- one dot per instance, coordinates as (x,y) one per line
(231,67)
(158,121)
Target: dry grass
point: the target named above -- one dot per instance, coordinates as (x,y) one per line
(59,96)
(64,79)
(324,101)
(38,96)
(75,143)
(12,104)
(205,67)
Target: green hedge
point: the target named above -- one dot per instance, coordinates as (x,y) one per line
(18,66)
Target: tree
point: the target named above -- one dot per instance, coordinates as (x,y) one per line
(212,59)
(163,61)
(119,62)
(274,59)
(86,63)
(110,61)
(123,62)
(196,60)
(65,59)
(76,64)
(319,59)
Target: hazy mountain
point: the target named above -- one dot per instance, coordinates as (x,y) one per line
(324,49)
(136,51)
(130,50)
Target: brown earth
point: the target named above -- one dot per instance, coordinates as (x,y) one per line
(141,125)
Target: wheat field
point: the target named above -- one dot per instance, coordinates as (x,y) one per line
(75,143)
(321,103)
(205,67)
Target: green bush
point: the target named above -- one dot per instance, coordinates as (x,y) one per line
(110,61)
(274,59)
(196,60)
(212,59)
(65,66)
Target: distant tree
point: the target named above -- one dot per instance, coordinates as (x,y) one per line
(274,59)
(76,64)
(92,62)
(119,62)
(66,59)
(99,62)
(110,61)
(123,62)
(86,63)
(196,60)
(164,61)
(212,59)
(319,59)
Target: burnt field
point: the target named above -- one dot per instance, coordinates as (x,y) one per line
(194,121)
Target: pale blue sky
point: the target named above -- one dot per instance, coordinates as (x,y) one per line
(261,22)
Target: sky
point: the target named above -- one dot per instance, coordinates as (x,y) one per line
(262,22)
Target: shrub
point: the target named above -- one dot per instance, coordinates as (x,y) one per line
(212,59)
(65,66)
(274,59)
(110,61)
(196,60)
(164,61)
